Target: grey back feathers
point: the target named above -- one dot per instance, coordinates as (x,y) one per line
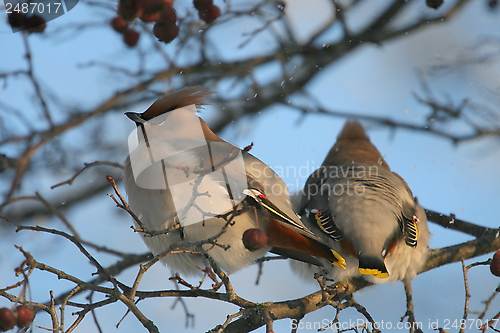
(365,212)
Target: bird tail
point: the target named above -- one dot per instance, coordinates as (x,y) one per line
(370,265)
(280,236)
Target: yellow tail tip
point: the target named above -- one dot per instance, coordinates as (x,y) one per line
(375,272)
(382,275)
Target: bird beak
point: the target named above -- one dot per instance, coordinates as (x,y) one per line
(135,117)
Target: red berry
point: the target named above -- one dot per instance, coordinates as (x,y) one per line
(35,23)
(210,15)
(254,239)
(202,4)
(434,3)
(150,6)
(16,20)
(127,9)
(7,319)
(25,316)
(168,15)
(165,32)
(153,17)
(119,24)
(168,2)
(495,264)
(495,267)
(131,37)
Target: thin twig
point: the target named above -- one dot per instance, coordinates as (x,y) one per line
(487,304)
(123,204)
(467,295)
(86,166)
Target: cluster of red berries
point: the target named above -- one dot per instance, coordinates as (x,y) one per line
(159,11)
(162,13)
(22,316)
(34,22)
(207,11)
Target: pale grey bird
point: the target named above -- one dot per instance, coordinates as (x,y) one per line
(181,173)
(365,212)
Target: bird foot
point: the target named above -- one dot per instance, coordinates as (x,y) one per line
(414,325)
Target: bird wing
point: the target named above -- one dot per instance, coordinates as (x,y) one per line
(408,223)
(258,198)
(317,209)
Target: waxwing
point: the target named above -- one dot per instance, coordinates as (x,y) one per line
(365,212)
(179,173)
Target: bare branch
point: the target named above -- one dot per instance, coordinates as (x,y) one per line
(488,242)
(451,222)
(87,165)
